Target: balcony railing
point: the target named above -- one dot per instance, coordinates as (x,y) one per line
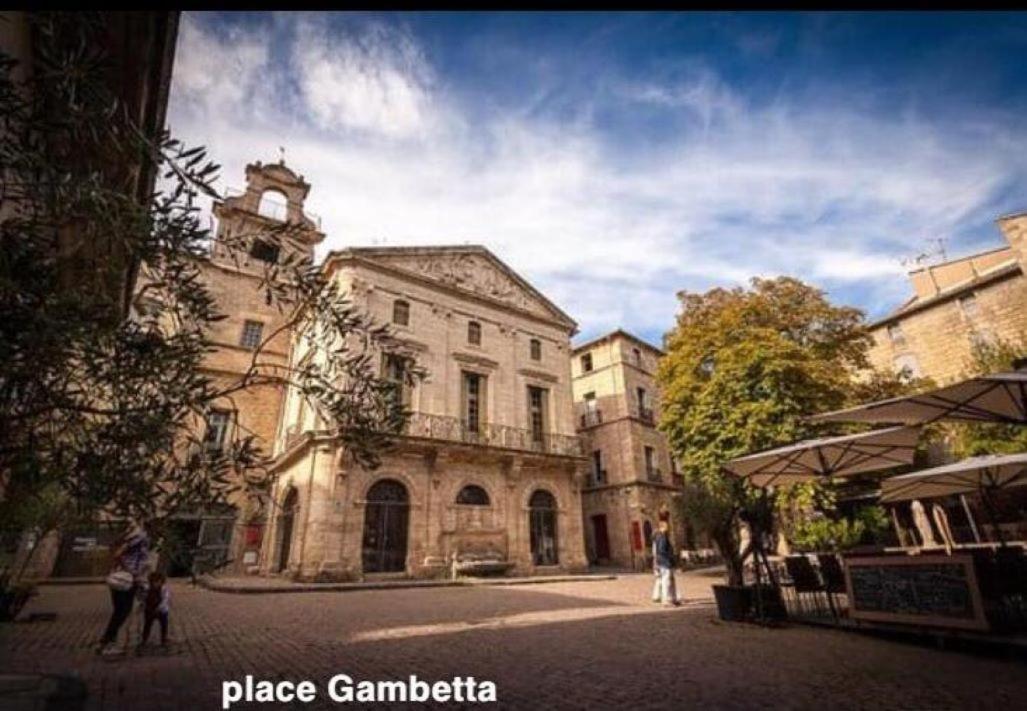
(452,429)
(590,418)
(646,415)
(654,474)
(597,478)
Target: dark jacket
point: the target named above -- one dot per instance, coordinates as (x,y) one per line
(663,551)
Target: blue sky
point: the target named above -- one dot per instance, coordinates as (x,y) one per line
(615,159)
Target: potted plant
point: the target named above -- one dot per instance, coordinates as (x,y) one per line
(13,596)
(713,506)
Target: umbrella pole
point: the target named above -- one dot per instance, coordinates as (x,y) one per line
(988,505)
(970,518)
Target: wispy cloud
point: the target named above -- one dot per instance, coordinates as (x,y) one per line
(610,224)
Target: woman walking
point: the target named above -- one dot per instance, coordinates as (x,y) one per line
(127,577)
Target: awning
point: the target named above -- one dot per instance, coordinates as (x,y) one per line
(986,473)
(832,456)
(1001,398)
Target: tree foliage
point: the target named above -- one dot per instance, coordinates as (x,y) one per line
(744,368)
(102,404)
(996,355)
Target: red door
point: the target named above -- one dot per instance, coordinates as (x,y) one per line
(602,538)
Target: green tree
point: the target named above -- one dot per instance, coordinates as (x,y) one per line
(744,368)
(970,439)
(102,405)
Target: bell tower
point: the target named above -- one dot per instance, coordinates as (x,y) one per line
(266,221)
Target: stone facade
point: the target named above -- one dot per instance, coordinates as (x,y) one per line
(335,520)
(273,198)
(982,296)
(627,490)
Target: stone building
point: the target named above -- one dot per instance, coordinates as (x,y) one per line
(488,473)
(979,297)
(632,480)
(240,257)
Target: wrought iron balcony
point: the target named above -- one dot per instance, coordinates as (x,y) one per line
(590,418)
(597,478)
(646,415)
(654,474)
(453,429)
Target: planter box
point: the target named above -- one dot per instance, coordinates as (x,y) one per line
(734,602)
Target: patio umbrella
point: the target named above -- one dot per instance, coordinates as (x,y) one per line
(990,472)
(816,458)
(986,474)
(1001,397)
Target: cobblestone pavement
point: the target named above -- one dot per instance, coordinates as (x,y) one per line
(555,645)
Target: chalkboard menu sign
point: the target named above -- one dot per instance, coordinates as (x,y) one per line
(930,590)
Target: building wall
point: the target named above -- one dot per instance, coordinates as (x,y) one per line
(940,335)
(234,278)
(328,532)
(626,495)
(433,468)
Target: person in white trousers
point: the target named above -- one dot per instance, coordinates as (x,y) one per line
(664,587)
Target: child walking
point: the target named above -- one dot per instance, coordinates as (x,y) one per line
(156,607)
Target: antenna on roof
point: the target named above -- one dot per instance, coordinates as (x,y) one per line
(281,155)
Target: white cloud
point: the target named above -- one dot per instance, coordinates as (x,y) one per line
(827,193)
(377,81)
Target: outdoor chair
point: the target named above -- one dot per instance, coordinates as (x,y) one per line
(832,574)
(806,582)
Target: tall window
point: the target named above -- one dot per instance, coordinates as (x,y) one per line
(896,335)
(536,349)
(395,371)
(598,475)
(651,470)
(586,363)
(474,398)
(218,422)
(474,333)
(591,415)
(264,251)
(252,331)
(644,411)
(401,312)
(537,413)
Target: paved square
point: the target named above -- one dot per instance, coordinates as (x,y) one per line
(558,645)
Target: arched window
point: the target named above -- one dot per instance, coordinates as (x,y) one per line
(474,333)
(273,204)
(542,513)
(401,312)
(472,495)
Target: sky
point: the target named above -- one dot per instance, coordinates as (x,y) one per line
(613,160)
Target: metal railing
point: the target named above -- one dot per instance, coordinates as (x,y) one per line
(654,474)
(646,415)
(590,418)
(453,429)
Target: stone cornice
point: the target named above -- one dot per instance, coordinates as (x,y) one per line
(333,258)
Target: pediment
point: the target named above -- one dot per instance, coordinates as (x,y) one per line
(472,270)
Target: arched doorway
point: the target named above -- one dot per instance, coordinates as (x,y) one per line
(386,515)
(542,513)
(285,522)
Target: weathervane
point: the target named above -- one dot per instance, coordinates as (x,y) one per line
(281,155)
